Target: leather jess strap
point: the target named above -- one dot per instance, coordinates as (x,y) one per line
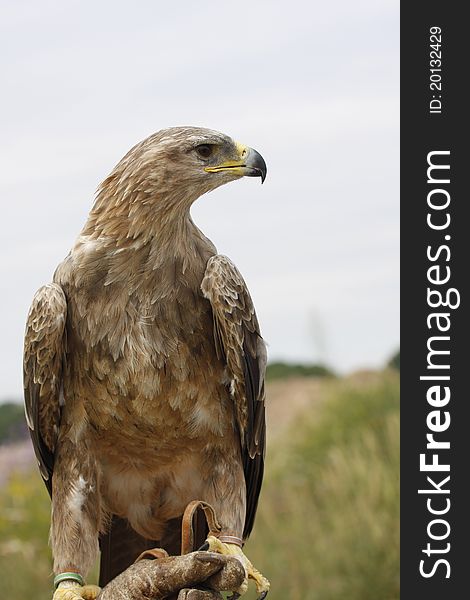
(187,531)
(187,526)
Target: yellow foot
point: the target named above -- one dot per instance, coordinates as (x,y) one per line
(69,590)
(262,584)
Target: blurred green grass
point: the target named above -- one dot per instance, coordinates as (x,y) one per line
(328,523)
(25,566)
(328,520)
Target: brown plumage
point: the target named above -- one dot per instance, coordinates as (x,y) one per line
(143,362)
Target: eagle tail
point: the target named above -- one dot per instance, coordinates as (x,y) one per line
(120,546)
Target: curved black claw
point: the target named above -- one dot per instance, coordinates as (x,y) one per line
(263,595)
(234,596)
(204,547)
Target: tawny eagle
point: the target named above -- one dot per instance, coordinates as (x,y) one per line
(144,366)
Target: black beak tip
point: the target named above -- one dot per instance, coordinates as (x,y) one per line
(258,164)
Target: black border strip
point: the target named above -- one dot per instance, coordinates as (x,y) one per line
(423,132)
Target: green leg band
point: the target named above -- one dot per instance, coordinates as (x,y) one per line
(70,576)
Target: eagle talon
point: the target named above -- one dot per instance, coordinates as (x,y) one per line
(262,584)
(204,547)
(76,592)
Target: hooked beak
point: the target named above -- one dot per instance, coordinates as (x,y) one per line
(249,164)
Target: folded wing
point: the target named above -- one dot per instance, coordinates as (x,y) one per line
(44,353)
(239,343)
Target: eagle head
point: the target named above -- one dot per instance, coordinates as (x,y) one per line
(190,159)
(163,175)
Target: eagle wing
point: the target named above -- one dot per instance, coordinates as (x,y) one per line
(239,343)
(44,351)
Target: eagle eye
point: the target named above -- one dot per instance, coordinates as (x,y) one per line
(205,150)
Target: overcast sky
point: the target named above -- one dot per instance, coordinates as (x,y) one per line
(313,86)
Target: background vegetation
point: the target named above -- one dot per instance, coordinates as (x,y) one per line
(327,526)
(12,422)
(328,523)
(281,370)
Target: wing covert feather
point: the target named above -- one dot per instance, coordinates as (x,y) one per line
(239,343)
(44,350)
